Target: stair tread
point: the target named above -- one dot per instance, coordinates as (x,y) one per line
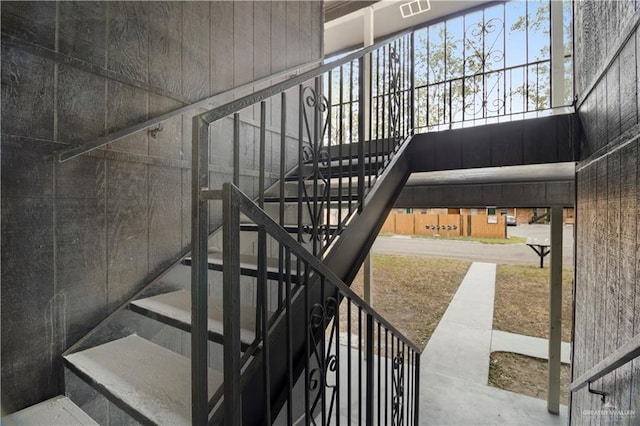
(320,198)
(153,381)
(293,228)
(176,306)
(59,410)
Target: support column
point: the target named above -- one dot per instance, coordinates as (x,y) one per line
(555,311)
(557,55)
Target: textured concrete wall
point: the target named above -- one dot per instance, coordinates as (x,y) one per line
(607,289)
(79,238)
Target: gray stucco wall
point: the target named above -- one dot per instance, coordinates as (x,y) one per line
(79,238)
(607,289)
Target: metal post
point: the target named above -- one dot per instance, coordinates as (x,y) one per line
(370,381)
(368,279)
(361,134)
(555,311)
(557,55)
(199,266)
(412,78)
(416,399)
(368,41)
(231,303)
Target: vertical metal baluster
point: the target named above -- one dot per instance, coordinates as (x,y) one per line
(413,384)
(416,410)
(316,152)
(401,89)
(337,346)
(408,381)
(404,383)
(428,86)
(263,296)
(377,149)
(199,267)
(368,113)
(350,135)
(379,376)
(323,350)
(361,135)
(410,367)
(290,382)
(384,104)
(349,374)
(464,63)
(537,86)
(386,376)
(236,149)
(301,172)
(307,325)
(340,143)
(393,376)
(360,365)
(330,158)
(369,379)
(283,148)
(525,98)
(231,314)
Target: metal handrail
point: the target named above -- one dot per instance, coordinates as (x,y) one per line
(628,352)
(261,218)
(255,98)
(69,153)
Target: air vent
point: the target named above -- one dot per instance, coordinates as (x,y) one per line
(414,7)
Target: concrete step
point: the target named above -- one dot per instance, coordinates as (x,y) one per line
(59,411)
(147,381)
(174,309)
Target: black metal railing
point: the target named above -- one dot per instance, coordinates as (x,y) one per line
(315,166)
(484,96)
(374,378)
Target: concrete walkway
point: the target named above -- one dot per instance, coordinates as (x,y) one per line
(501,341)
(455,365)
(461,344)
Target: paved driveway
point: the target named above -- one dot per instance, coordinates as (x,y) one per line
(479,252)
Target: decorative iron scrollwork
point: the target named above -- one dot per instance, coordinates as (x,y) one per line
(322,378)
(315,155)
(483,95)
(398,390)
(395,91)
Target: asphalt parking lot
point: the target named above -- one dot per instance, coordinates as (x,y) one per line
(479,252)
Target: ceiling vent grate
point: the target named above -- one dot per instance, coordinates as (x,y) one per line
(414,7)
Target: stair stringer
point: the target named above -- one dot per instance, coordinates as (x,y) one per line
(345,258)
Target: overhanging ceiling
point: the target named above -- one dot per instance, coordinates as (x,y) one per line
(342,32)
(552,172)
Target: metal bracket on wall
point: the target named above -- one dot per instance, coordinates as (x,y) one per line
(154,131)
(597,392)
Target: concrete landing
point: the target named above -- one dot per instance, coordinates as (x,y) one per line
(446,400)
(502,341)
(461,344)
(60,411)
